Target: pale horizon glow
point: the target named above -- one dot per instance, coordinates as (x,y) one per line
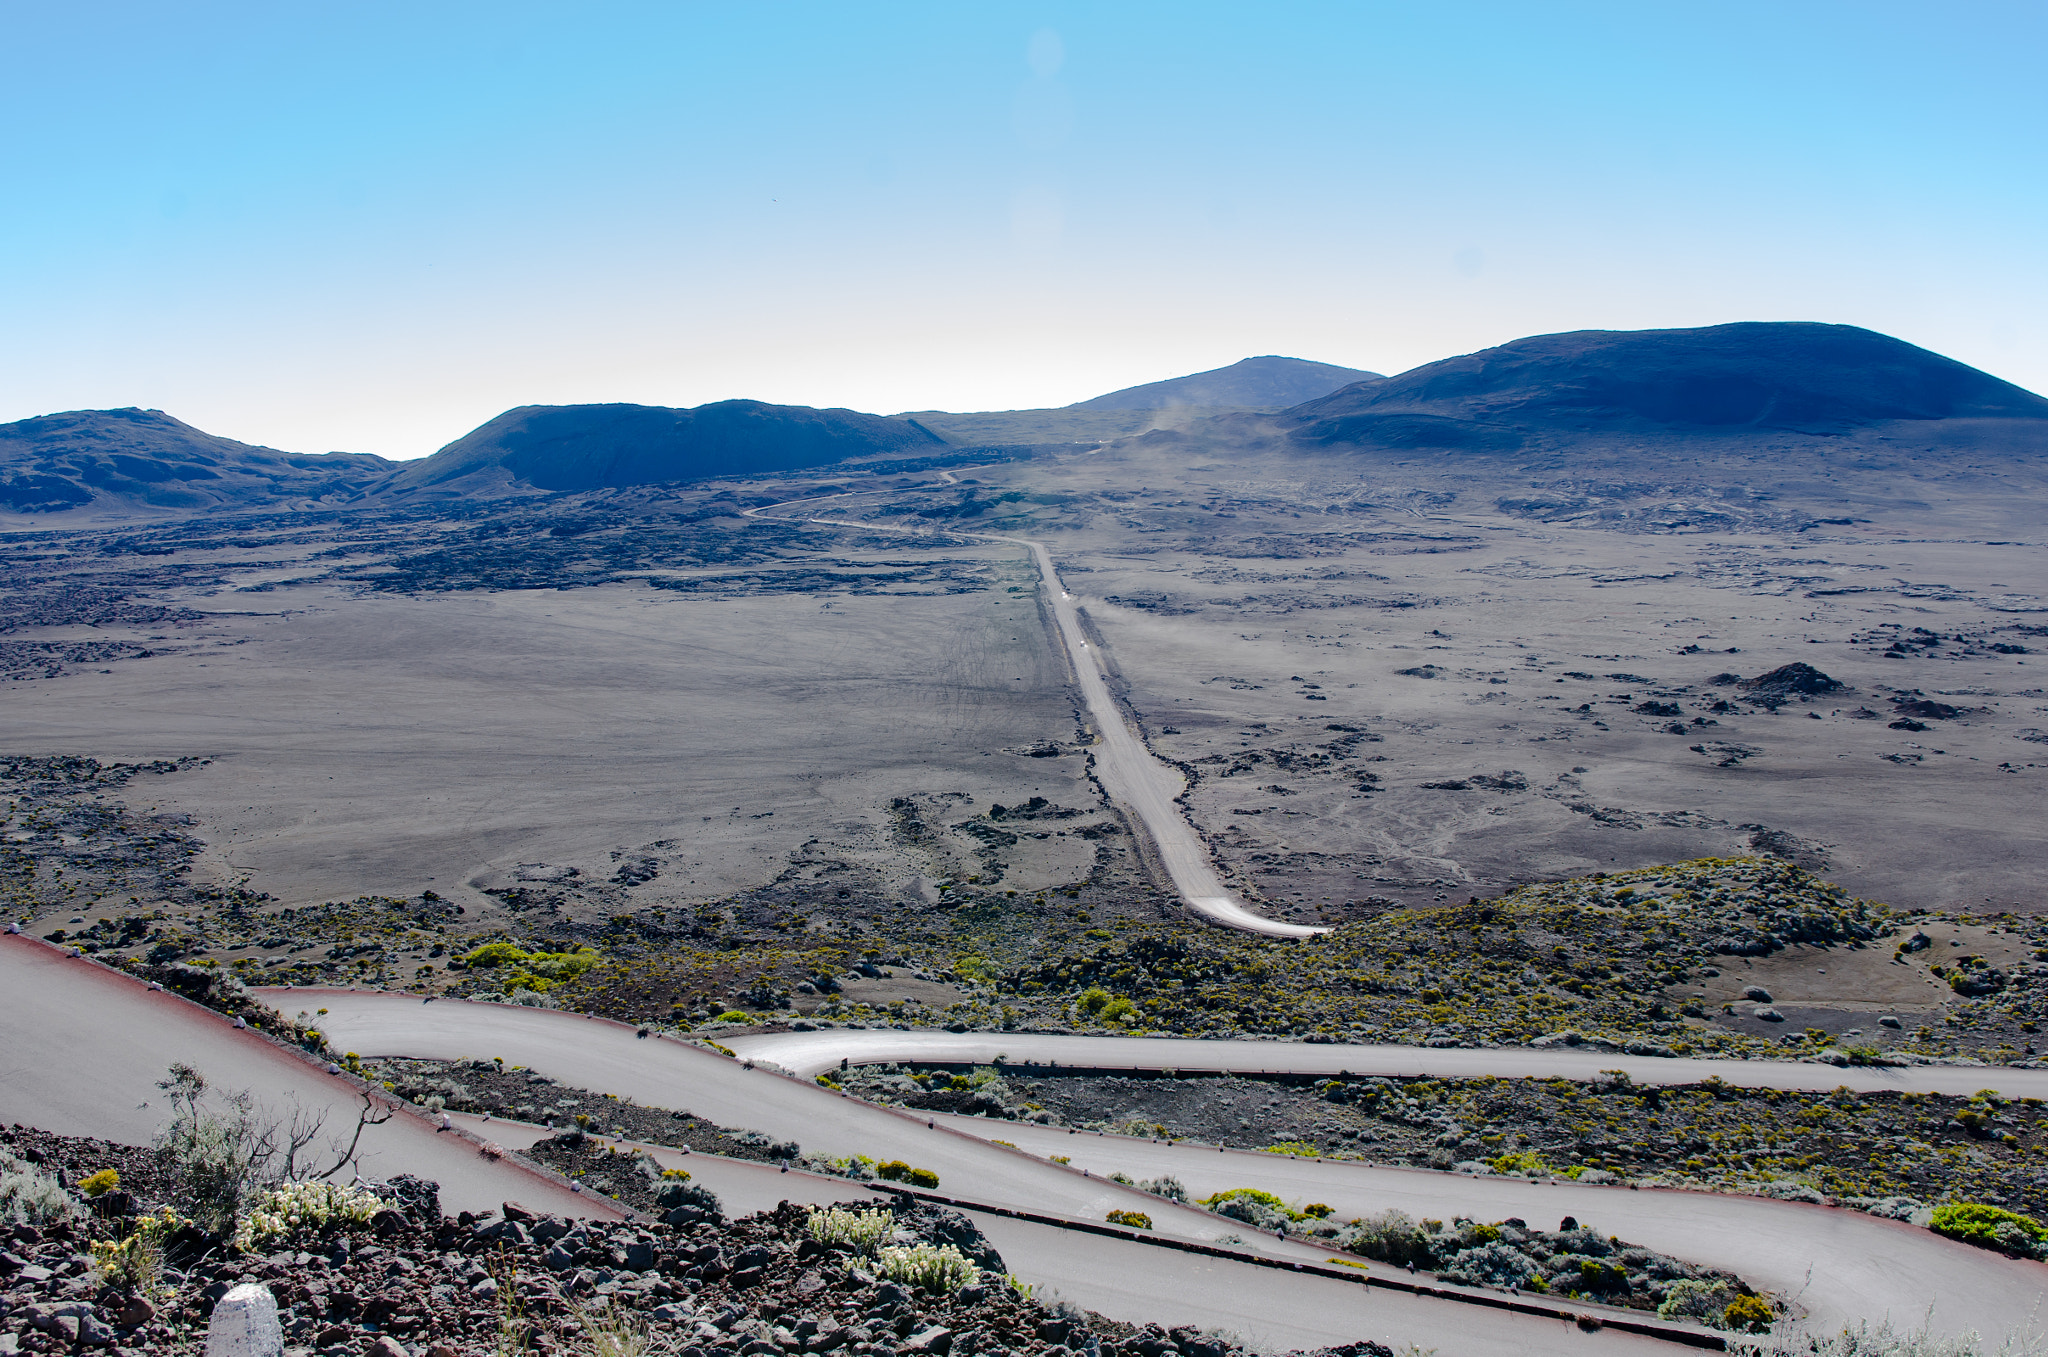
(371,228)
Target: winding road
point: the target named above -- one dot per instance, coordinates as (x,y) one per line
(85,1046)
(1145,786)
(1840,1265)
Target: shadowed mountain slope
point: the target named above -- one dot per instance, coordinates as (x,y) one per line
(133,461)
(588,447)
(1258,382)
(1756,375)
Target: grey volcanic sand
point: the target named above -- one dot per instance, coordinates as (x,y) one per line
(394,744)
(1219,630)
(689,746)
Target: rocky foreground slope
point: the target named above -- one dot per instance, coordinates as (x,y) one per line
(405,1281)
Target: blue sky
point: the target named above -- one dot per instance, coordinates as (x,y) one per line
(372,227)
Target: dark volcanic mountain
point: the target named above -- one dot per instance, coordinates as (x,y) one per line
(1268,382)
(588,447)
(145,462)
(1767,376)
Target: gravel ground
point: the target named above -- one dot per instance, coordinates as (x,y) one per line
(412,1283)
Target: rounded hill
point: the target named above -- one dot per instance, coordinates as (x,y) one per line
(132,461)
(589,447)
(1767,375)
(1268,382)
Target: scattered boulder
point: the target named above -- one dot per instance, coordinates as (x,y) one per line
(1789,681)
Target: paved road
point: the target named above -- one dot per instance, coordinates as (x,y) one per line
(1132,1282)
(1841,1264)
(1134,777)
(807,1053)
(82,1048)
(606,1057)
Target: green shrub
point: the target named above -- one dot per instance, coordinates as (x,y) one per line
(1520,1161)
(97,1184)
(538,971)
(1595,1275)
(1301,1149)
(1320,1210)
(1259,1195)
(1137,1220)
(896,1171)
(216,1160)
(862,1231)
(1258,1209)
(943,1269)
(1747,1314)
(1990,1227)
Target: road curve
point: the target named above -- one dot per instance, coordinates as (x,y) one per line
(808,1053)
(1841,1265)
(84,1047)
(1133,776)
(1121,1277)
(607,1057)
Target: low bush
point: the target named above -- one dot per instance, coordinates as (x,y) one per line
(862,1231)
(943,1269)
(137,1262)
(1391,1237)
(1694,1298)
(896,1171)
(1168,1187)
(673,1194)
(293,1209)
(537,971)
(98,1184)
(30,1197)
(1259,1209)
(1991,1227)
(1105,1007)
(1493,1263)
(1747,1314)
(1136,1220)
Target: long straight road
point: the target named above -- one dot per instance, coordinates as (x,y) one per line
(1840,1265)
(1145,786)
(809,1053)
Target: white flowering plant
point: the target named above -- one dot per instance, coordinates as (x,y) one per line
(305,1207)
(943,1269)
(861,1231)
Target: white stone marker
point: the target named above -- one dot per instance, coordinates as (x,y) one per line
(244,1324)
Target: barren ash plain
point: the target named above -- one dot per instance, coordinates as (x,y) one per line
(1670,694)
